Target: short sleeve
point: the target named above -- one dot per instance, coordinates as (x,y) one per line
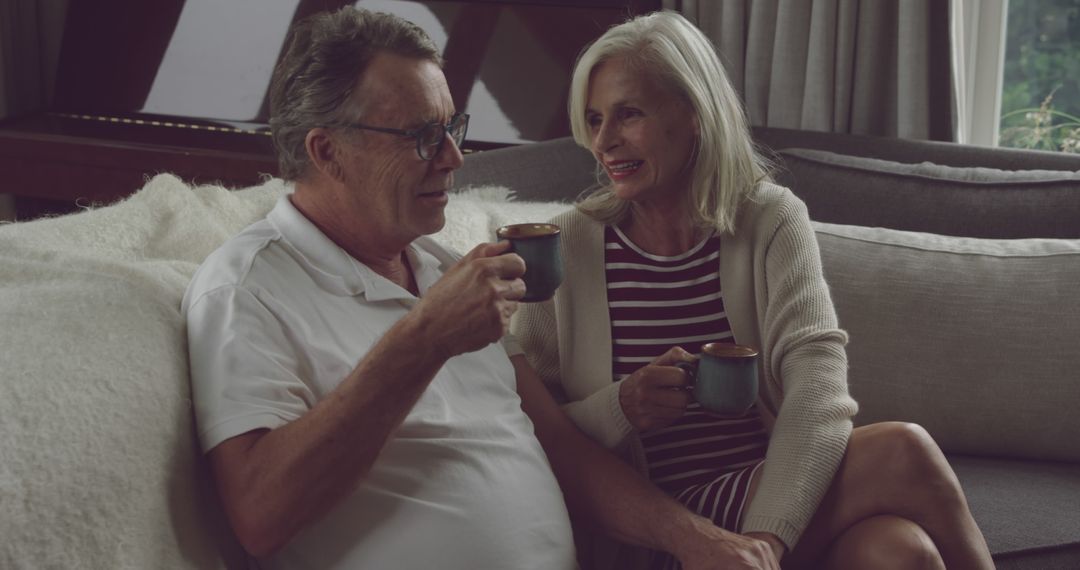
(244,368)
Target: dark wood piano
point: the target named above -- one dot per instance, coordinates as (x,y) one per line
(181,86)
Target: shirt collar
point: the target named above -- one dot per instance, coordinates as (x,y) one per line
(337,271)
(427,269)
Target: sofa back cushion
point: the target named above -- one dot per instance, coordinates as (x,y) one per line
(925,197)
(975,339)
(551,171)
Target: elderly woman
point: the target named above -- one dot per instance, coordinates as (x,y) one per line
(688,241)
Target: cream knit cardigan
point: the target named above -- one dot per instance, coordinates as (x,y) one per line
(776,300)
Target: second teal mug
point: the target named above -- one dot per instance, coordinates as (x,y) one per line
(724,380)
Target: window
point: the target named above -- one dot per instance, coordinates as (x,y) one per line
(1040,95)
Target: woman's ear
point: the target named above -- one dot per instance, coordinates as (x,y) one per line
(321,146)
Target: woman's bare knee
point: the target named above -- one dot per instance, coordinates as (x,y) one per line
(909,464)
(891,470)
(884,542)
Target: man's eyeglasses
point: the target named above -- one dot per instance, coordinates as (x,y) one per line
(430,137)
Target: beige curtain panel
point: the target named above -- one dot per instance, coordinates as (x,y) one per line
(878,67)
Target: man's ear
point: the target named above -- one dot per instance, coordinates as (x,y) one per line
(322,150)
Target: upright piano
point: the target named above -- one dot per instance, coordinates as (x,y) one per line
(181,86)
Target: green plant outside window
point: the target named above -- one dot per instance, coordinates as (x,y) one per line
(1041,93)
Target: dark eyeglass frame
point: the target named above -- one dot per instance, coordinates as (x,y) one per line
(459,120)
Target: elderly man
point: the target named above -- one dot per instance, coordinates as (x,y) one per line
(350,390)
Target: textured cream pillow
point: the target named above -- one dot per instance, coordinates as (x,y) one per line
(474,214)
(975,339)
(98,463)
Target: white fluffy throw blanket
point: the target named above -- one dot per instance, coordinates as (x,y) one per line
(98,462)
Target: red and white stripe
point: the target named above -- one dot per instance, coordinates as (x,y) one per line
(655,303)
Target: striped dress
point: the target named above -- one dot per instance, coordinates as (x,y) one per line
(655,303)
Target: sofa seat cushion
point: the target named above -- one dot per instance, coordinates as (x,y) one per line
(1027,510)
(926,197)
(974,339)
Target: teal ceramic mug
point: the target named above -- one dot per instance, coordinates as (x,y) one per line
(538,245)
(724,380)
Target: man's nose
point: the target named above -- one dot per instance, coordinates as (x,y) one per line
(449,156)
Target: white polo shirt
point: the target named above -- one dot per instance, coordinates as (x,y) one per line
(279,315)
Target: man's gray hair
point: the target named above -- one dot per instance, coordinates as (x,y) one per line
(324,59)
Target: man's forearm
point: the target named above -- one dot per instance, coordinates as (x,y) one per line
(617,499)
(598,485)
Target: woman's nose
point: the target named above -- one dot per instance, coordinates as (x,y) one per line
(606,137)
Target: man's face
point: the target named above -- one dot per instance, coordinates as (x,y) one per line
(388,186)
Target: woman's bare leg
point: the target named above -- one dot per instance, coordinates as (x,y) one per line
(884,542)
(894,468)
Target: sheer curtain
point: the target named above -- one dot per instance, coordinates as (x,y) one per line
(978,40)
(879,67)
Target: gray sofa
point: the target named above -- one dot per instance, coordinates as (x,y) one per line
(973,338)
(955,270)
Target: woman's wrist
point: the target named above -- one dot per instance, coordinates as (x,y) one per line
(777,545)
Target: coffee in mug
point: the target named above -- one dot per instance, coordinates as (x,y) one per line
(724,380)
(538,245)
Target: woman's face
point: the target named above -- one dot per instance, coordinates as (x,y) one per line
(642,133)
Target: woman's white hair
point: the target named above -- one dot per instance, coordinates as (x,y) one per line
(667,47)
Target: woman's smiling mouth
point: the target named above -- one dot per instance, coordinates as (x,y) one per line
(618,169)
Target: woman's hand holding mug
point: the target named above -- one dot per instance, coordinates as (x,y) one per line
(655,395)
